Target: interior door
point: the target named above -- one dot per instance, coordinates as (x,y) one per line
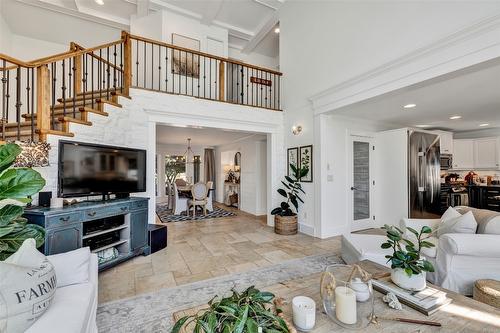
(361,180)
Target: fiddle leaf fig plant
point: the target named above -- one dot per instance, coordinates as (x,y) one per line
(16,184)
(406,253)
(291,192)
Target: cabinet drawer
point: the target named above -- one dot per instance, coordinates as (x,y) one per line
(139,205)
(65,219)
(103,212)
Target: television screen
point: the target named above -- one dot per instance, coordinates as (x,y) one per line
(88,169)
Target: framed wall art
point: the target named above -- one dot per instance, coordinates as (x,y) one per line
(292,158)
(185,63)
(306,161)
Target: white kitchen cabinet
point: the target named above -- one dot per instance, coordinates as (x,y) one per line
(446,142)
(463,154)
(486,153)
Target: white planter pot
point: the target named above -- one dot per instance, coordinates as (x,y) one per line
(413,282)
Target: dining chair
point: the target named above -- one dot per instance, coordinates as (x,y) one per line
(180,204)
(210,198)
(199,193)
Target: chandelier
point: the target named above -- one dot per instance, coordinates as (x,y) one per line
(189,154)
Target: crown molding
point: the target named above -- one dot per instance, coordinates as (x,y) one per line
(468,46)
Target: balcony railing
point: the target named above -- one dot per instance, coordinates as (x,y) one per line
(40,97)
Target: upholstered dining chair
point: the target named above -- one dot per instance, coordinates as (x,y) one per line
(180,204)
(199,193)
(210,198)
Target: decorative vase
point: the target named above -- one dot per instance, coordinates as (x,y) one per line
(414,282)
(347,296)
(285,225)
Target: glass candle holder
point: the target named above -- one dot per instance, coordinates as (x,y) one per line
(347,296)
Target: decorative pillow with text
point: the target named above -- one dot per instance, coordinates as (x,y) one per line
(27,286)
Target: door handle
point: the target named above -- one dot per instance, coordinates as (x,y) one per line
(353,188)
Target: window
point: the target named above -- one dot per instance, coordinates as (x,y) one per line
(175,168)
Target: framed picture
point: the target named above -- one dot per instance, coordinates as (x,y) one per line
(185,63)
(306,161)
(292,158)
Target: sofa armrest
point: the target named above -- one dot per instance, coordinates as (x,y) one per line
(417,224)
(71,267)
(478,245)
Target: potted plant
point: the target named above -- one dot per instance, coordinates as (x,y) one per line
(17,184)
(249,311)
(408,267)
(285,219)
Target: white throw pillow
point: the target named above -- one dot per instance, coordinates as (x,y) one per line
(71,267)
(451,213)
(27,286)
(464,224)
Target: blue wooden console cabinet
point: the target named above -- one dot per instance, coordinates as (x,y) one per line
(65,227)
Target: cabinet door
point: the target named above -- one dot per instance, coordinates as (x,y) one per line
(63,239)
(446,142)
(463,154)
(485,153)
(139,228)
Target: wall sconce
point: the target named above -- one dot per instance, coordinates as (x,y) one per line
(296,129)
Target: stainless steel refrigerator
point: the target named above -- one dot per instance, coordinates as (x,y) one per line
(424,174)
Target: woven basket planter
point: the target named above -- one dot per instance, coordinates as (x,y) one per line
(285,225)
(487,291)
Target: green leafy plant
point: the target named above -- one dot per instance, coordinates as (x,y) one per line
(291,192)
(17,184)
(240,313)
(406,254)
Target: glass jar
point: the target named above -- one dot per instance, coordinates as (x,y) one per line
(347,296)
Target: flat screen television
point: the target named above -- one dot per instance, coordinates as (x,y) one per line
(91,169)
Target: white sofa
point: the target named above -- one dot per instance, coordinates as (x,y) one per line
(461,259)
(74,307)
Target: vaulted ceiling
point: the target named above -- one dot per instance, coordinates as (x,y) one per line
(250,23)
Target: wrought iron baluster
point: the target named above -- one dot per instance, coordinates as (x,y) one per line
(137,64)
(121,68)
(198,78)
(204,77)
(152,66)
(32,103)
(279,85)
(159,68)
(8,95)
(247,86)
(4,99)
(166,69)
(261,88)
(180,71)
(53,71)
(108,74)
(114,68)
(18,102)
(186,74)
(192,74)
(100,74)
(144,79)
(28,88)
(73,82)
(92,80)
(210,79)
(64,86)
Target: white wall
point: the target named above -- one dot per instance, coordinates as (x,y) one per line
(27,49)
(5,36)
(254,58)
(332,45)
(253,175)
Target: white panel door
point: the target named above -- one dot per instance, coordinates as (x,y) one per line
(361,179)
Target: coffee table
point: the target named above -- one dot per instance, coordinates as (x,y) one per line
(462,315)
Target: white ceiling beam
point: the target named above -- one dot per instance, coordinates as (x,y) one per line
(142,8)
(262,32)
(273,4)
(212,12)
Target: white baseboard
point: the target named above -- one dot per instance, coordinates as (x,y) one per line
(306,229)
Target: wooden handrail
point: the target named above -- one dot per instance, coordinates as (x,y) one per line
(152,41)
(95,56)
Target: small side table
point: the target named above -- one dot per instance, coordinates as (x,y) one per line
(157,237)
(488,292)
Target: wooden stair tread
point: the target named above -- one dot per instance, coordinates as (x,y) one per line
(56,113)
(55,132)
(15,133)
(95,111)
(74,120)
(105,101)
(103,91)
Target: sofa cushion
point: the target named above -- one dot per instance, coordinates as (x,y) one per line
(488,221)
(27,288)
(451,213)
(69,312)
(71,267)
(464,224)
(357,247)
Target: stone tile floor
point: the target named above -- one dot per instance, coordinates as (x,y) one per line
(205,249)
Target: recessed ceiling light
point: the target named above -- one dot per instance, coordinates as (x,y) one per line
(277,30)
(409,106)
(484,125)
(99,2)
(455,117)
(422,126)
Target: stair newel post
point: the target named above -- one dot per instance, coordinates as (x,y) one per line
(127,62)
(43,101)
(77,63)
(221,80)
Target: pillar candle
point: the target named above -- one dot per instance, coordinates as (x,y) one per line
(304,312)
(345,305)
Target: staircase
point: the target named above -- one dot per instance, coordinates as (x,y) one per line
(42,97)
